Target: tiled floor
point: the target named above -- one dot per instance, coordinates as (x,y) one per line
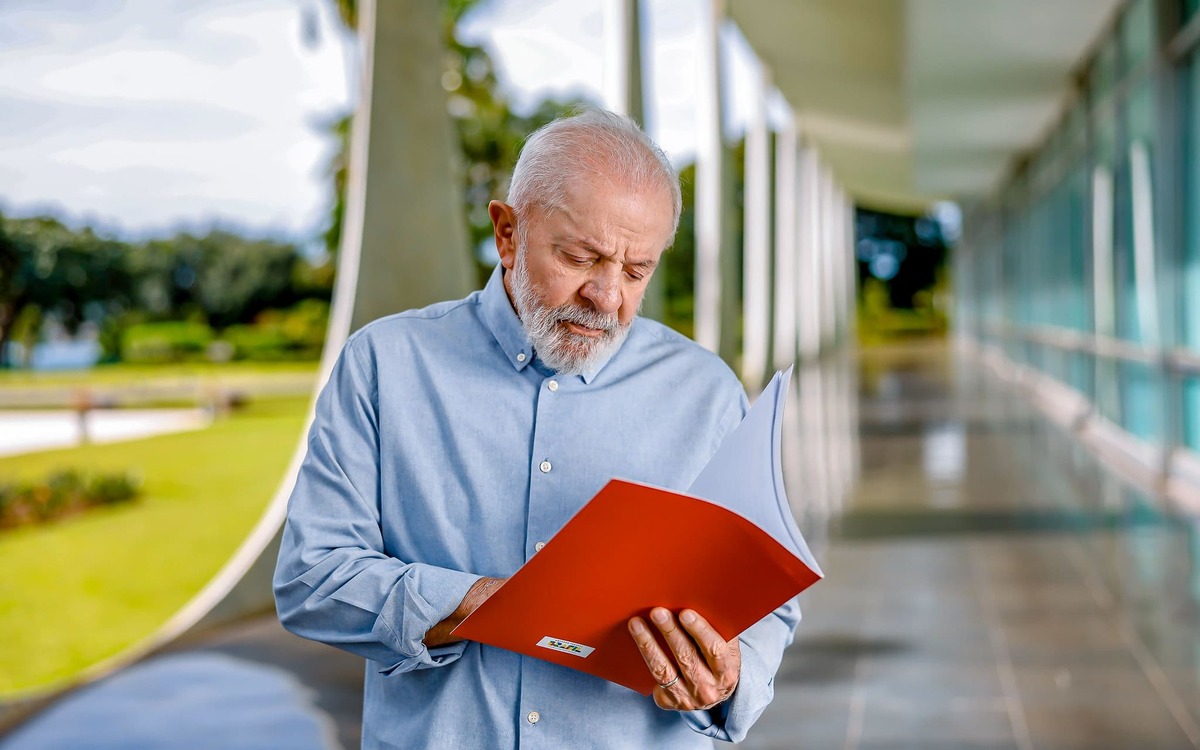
(988,586)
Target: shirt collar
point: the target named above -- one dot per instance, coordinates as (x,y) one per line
(502,320)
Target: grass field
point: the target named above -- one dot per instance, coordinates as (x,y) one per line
(76,592)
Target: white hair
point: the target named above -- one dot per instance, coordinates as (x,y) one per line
(591,143)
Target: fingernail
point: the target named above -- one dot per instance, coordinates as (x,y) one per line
(687,617)
(661,616)
(636,627)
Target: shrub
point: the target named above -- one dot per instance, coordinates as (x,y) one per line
(295,333)
(112,489)
(64,493)
(258,343)
(171,341)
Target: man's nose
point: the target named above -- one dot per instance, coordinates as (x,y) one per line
(604,292)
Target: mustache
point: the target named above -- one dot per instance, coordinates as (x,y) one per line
(588,318)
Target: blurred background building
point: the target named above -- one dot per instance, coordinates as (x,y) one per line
(969,223)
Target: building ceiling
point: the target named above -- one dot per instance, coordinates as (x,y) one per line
(915,101)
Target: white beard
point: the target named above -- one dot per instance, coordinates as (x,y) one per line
(560,349)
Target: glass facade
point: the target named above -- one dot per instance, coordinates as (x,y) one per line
(1187,273)
(1086,266)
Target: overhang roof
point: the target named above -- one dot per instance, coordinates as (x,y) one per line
(914,101)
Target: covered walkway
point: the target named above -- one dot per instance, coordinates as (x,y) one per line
(989,585)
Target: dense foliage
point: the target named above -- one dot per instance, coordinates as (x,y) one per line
(215,282)
(64,493)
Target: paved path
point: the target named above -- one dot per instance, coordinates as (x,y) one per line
(38,430)
(249,686)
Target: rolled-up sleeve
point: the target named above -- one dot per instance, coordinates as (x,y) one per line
(334,582)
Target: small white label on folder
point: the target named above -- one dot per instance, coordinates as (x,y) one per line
(567,647)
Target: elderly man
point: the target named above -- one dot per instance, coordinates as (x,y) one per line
(452,442)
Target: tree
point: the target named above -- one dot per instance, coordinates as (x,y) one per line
(51,271)
(490,132)
(220,277)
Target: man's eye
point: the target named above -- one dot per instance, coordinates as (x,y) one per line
(634,275)
(581,262)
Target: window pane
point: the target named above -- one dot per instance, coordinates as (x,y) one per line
(1140,411)
(1138,31)
(1139,114)
(1104,71)
(1190,282)
(1191,411)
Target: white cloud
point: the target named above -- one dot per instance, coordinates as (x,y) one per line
(149,113)
(146,115)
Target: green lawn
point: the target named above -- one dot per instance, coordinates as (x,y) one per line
(81,590)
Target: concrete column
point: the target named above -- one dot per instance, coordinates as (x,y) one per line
(836,265)
(786,241)
(624,94)
(404,214)
(404,245)
(846,283)
(827,255)
(851,273)
(844,249)
(623,67)
(709,180)
(808,271)
(756,274)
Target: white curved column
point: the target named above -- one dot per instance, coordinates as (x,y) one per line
(756,273)
(786,242)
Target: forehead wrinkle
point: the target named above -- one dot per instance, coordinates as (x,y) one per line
(593,246)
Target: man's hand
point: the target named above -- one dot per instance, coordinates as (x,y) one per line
(439,635)
(702,668)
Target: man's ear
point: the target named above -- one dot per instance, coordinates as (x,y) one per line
(504,224)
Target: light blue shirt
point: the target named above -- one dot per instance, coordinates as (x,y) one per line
(442,451)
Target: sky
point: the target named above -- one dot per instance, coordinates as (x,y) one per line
(143,116)
(146,115)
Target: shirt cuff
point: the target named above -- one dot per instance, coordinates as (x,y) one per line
(730,720)
(423,597)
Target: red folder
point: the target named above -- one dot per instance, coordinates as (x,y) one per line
(634,547)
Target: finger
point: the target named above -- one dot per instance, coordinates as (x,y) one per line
(691,665)
(713,647)
(661,667)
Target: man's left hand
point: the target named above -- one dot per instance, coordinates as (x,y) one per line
(701,668)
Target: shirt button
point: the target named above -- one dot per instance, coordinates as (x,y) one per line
(552,385)
(538,547)
(521,357)
(534,717)
(545,467)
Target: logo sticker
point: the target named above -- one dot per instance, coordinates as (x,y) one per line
(567,647)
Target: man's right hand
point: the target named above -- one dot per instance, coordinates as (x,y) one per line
(439,635)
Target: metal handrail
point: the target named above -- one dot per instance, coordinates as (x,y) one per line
(1181,361)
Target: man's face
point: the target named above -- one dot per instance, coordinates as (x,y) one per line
(578,275)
